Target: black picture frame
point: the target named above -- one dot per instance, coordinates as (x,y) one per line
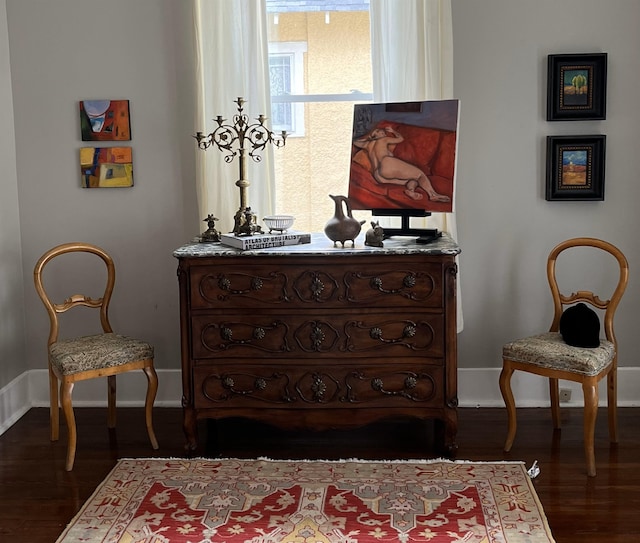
(575,167)
(586,98)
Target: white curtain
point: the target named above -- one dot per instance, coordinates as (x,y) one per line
(232,61)
(412,60)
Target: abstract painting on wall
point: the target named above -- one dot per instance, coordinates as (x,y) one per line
(105,120)
(106,167)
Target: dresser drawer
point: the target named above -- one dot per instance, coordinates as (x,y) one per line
(297,385)
(410,282)
(288,335)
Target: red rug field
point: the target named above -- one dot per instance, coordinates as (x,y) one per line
(274,501)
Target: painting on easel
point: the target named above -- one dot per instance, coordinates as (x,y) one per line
(403,156)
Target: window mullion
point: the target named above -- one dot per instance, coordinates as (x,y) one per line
(302,98)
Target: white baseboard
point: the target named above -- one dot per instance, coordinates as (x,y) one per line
(31,389)
(477,387)
(15,401)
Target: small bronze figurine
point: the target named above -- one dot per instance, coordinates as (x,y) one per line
(374,236)
(246,223)
(210,234)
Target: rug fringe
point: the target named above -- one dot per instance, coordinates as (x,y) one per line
(339,461)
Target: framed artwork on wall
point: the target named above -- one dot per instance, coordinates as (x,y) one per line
(577,87)
(106,167)
(105,120)
(575,167)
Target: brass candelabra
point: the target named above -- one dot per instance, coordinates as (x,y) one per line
(242,138)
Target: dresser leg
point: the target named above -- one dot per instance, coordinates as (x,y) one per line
(445,438)
(190,427)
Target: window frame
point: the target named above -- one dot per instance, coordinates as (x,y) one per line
(296,51)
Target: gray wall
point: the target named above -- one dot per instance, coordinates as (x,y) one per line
(506,228)
(12,332)
(69,50)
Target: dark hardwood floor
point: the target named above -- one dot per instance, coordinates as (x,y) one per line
(38,498)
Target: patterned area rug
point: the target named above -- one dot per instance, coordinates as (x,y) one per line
(273,501)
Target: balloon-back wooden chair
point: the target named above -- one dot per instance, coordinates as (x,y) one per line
(548,355)
(87,357)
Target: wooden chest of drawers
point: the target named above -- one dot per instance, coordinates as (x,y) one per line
(317,337)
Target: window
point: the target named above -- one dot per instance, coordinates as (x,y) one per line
(320,65)
(280,81)
(286,75)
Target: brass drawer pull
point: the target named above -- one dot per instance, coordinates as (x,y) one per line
(408,332)
(409,281)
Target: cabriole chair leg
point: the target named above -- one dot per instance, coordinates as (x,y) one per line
(507,395)
(152,389)
(66,388)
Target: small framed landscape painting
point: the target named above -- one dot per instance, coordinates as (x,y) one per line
(577,87)
(106,167)
(105,120)
(575,167)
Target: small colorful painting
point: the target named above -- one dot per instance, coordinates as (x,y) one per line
(106,167)
(577,87)
(105,120)
(575,167)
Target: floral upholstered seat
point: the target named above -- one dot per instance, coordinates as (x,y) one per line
(97,352)
(549,350)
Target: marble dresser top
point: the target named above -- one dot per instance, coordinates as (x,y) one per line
(321,244)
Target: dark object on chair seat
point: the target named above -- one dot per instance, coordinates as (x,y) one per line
(580,326)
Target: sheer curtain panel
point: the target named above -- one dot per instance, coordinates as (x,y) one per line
(412,61)
(232,61)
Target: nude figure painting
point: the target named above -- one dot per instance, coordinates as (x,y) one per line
(403,156)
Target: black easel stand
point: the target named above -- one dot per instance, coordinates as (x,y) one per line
(425,235)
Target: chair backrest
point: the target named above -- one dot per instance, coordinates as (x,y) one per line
(54,309)
(560,301)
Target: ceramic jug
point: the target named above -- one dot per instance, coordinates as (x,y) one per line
(342,227)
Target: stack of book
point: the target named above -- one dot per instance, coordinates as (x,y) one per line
(264,241)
